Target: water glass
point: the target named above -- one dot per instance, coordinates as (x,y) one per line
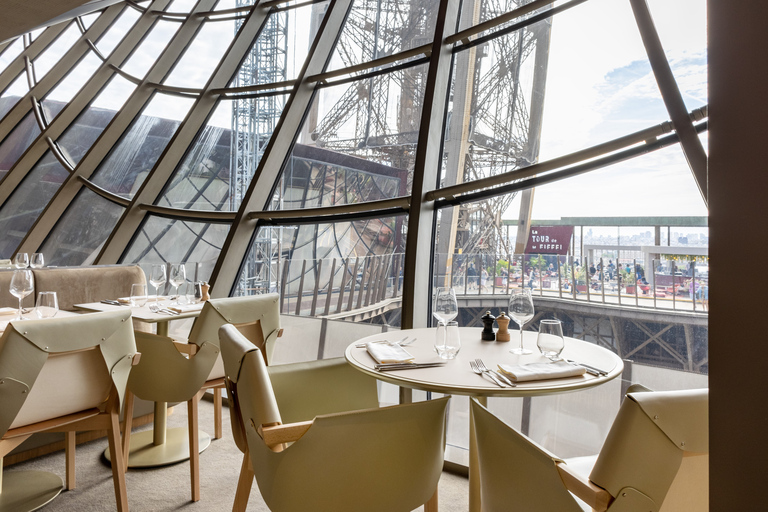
(37,260)
(138,295)
(550,340)
(447,340)
(21,260)
(47,305)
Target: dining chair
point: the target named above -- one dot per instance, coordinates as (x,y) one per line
(170,372)
(256,316)
(62,375)
(655,458)
(379,460)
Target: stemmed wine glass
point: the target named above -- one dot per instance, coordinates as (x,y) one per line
(22,284)
(37,261)
(445,307)
(177,278)
(521,311)
(157,279)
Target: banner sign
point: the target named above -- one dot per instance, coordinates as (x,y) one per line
(549,240)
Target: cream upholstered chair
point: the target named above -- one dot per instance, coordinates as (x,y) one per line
(62,375)
(377,460)
(257,317)
(655,458)
(170,372)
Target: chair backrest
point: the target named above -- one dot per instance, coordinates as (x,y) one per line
(642,457)
(259,316)
(55,367)
(515,472)
(376,460)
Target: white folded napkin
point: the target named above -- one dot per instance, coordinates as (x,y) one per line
(187,308)
(8,311)
(387,353)
(541,371)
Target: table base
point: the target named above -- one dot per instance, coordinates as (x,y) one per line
(143,453)
(28,490)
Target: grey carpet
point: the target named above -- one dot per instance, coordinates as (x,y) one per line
(168,488)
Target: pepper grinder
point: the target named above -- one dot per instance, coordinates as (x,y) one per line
(503,321)
(488,334)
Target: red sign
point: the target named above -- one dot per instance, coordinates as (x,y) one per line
(549,240)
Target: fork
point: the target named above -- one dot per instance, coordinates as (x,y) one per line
(401,343)
(473,365)
(503,378)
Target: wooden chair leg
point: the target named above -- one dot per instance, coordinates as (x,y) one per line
(217,429)
(127,426)
(194,448)
(118,464)
(69,450)
(244,483)
(431,505)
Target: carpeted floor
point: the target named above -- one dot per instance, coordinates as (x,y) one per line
(168,488)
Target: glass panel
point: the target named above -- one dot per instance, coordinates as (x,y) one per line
(88,19)
(604,97)
(13,94)
(376,29)
(46,60)
(682,27)
(204,179)
(203,55)
(13,51)
(145,55)
(134,156)
(369,126)
(109,40)
(26,203)
(360,262)
(70,85)
(82,230)
(166,240)
(17,142)
(272,59)
(181,5)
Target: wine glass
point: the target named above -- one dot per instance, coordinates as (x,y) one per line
(21,260)
(550,340)
(47,305)
(177,278)
(138,295)
(157,279)
(22,284)
(37,260)
(521,311)
(445,307)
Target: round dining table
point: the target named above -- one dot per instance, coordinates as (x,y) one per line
(457,378)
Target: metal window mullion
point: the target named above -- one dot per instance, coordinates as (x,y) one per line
(417,272)
(153,186)
(76,106)
(67,62)
(670,93)
(31,52)
(114,131)
(278,148)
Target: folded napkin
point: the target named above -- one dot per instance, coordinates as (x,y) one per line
(541,371)
(388,353)
(8,311)
(187,308)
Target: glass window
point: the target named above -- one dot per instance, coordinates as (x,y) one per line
(82,230)
(135,155)
(329,268)
(144,56)
(109,40)
(195,66)
(70,85)
(377,29)
(13,93)
(166,240)
(14,145)
(46,60)
(10,53)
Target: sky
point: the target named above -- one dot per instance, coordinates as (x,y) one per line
(599,87)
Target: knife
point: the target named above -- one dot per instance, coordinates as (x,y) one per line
(405,366)
(597,372)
